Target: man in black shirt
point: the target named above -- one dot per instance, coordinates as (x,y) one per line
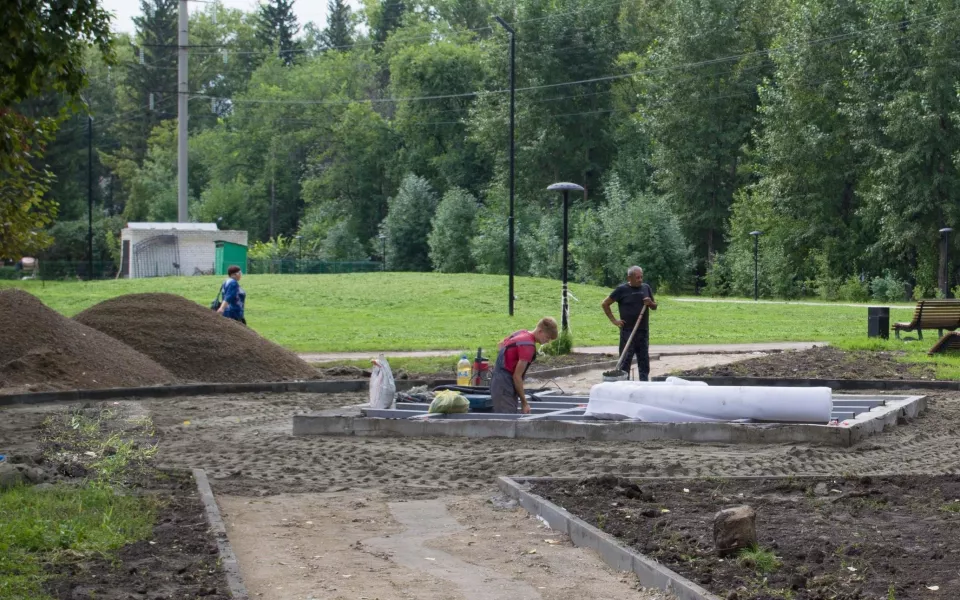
(631,297)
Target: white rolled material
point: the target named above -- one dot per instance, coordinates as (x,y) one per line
(695,403)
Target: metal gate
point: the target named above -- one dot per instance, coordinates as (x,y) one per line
(158,256)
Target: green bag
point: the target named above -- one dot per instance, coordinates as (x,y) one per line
(449,402)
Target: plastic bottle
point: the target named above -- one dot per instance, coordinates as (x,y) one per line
(463,370)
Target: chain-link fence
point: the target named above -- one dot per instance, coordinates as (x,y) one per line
(306,265)
(53,270)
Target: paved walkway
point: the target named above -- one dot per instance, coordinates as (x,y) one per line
(795,303)
(661,349)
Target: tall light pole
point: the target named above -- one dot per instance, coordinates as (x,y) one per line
(565,188)
(299,239)
(90,197)
(945,254)
(383,252)
(756,264)
(510,221)
(182,117)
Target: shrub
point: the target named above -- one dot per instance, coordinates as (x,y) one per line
(407,225)
(562,345)
(853,290)
(888,288)
(453,228)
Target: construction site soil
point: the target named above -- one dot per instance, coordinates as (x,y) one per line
(823,362)
(844,538)
(192,341)
(41,350)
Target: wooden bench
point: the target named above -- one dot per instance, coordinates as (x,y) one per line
(951,341)
(932,314)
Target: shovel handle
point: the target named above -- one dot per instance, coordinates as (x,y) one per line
(626,347)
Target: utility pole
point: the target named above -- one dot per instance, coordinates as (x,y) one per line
(182,117)
(513,88)
(89,197)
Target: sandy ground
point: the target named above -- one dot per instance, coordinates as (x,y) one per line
(361,513)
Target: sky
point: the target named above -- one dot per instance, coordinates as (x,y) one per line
(307,10)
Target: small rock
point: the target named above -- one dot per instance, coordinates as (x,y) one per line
(821,490)
(734,528)
(12,475)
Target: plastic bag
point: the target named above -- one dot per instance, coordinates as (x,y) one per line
(448,402)
(383,389)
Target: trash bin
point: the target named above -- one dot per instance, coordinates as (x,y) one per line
(228,254)
(878,321)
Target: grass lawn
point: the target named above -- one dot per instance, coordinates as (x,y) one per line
(41,526)
(429,311)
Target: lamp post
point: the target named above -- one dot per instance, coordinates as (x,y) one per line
(383,252)
(299,239)
(90,197)
(510,220)
(565,188)
(945,257)
(756,262)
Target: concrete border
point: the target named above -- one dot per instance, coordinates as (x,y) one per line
(347,422)
(228,560)
(337,386)
(649,572)
(836,384)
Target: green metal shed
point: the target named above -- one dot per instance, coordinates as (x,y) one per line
(228,254)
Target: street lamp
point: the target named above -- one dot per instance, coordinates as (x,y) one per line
(383,252)
(756,262)
(565,188)
(945,257)
(510,220)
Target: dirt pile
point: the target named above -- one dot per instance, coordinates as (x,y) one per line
(41,350)
(822,362)
(192,341)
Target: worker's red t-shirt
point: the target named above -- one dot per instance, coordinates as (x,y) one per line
(515,354)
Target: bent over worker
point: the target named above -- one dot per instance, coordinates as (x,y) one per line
(631,297)
(517,352)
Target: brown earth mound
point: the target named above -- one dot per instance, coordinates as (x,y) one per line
(41,350)
(192,341)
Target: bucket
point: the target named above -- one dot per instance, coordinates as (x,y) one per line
(615,375)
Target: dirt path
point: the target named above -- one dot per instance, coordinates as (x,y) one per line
(357,544)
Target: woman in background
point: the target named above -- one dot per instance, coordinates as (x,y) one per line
(233,296)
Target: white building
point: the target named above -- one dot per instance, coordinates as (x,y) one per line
(162,249)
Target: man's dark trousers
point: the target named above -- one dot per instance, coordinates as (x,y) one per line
(639,347)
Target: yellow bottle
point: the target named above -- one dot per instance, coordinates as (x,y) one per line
(463,370)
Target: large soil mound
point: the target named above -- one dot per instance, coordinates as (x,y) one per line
(192,341)
(42,350)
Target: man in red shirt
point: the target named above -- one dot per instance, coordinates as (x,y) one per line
(517,351)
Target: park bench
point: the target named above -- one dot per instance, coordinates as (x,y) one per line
(932,314)
(951,341)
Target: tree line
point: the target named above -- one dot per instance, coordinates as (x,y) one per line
(829,126)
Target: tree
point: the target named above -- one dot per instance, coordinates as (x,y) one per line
(452,231)
(278,27)
(43,51)
(156,39)
(341,244)
(407,225)
(338,34)
(384,16)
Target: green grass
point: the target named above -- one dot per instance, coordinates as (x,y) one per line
(429,311)
(758,559)
(63,523)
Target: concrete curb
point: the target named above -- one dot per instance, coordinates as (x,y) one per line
(836,384)
(228,560)
(201,389)
(649,572)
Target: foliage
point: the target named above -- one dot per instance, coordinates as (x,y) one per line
(888,288)
(407,225)
(274,249)
(758,559)
(560,346)
(452,230)
(630,230)
(70,239)
(339,31)
(277,28)
(341,245)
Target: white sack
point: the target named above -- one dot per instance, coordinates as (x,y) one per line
(383,390)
